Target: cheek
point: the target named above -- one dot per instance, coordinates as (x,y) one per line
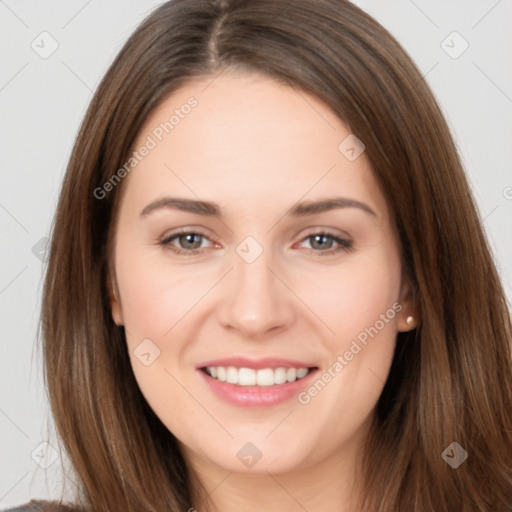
(356,295)
(156,295)
(155,301)
(359,303)
(158,305)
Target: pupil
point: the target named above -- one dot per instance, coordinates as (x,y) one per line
(322,238)
(189,241)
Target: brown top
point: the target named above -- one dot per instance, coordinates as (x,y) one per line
(42,506)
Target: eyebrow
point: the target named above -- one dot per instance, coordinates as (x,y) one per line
(302,209)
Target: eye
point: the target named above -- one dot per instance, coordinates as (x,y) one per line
(324,243)
(185,242)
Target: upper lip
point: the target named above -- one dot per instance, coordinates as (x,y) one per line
(256,364)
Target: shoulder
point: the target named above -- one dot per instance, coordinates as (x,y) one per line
(42,506)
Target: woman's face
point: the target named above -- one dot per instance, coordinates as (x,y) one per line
(290,265)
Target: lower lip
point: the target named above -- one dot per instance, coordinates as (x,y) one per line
(256,396)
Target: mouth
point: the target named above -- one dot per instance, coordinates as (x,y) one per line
(263,377)
(249,383)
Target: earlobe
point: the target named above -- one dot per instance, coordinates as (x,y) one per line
(409,315)
(115,304)
(408,319)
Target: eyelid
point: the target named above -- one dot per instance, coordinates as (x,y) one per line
(165,239)
(343,240)
(317,230)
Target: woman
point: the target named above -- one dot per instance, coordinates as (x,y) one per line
(269,288)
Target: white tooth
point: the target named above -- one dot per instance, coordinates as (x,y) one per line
(279,375)
(221,373)
(231,375)
(291,374)
(265,377)
(250,377)
(247,377)
(302,372)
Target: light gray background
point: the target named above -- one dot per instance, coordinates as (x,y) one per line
(42,102)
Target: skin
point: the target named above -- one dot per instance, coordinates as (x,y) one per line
(256,147)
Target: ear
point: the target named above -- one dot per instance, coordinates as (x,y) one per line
(409,316)
(115,304)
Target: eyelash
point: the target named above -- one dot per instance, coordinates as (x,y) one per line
(343,245)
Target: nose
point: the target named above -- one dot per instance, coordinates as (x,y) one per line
(255,299)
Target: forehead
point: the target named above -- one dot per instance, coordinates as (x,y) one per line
(247,138)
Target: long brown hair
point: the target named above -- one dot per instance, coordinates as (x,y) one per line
(451,377)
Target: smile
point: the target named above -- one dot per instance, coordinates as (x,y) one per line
(263,377)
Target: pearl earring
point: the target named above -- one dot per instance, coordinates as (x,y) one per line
(409,320)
